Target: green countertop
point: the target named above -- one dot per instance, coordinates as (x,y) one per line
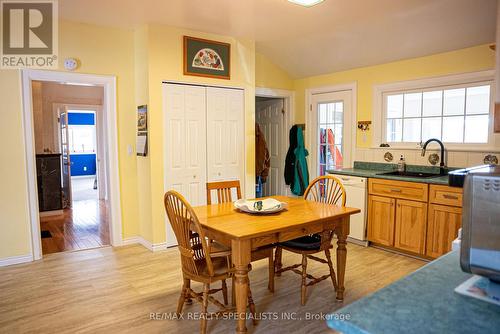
(373,169)
(422,302)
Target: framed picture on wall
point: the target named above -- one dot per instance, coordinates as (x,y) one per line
(205,58)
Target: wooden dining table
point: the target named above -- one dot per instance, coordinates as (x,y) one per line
(243,232)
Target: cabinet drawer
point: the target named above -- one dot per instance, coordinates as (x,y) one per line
(300,232)
(399,189)
(445,195)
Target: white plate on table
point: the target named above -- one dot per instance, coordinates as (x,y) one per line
(269,205)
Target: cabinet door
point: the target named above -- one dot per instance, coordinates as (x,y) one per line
(442,228)
(411,218)
(381,213)
(225,139)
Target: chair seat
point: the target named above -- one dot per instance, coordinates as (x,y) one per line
(308,242)
(220,267)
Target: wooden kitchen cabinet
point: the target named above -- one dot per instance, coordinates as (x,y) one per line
(445,218)
(411,220)
(381,215)
(413,217)
(442,228)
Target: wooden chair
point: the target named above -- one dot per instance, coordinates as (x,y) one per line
(224,190)
(325,189)
(198,264)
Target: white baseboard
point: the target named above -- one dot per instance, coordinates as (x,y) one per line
(146,243)
(8,261)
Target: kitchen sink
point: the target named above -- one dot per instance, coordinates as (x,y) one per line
(411,174)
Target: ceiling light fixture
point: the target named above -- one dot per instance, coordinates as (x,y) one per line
(306,3)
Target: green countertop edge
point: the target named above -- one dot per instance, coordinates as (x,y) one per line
(424,302)
(371,169)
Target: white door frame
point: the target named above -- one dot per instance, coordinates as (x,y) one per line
(110,139)
(310,129)
(289,105)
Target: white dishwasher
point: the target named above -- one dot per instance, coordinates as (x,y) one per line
(356,195)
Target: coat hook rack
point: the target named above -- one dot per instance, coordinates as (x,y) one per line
(364,125)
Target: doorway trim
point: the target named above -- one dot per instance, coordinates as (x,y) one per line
(110,142)
(288,97)
(350,86)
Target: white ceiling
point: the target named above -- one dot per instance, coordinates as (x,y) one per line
(332,36)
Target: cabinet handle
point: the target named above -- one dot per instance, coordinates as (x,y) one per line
(396,190)
(447,196)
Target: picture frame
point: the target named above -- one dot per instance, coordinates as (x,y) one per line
(207,58)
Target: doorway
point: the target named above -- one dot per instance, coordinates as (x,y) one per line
(71,153)
(270,119)
(66,119)
(331,130)
(274,114)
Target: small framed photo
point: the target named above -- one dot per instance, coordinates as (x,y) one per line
(205,58)
(142,118)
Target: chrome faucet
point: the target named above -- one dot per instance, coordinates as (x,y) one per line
(442,165)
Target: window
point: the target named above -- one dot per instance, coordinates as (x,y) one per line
(331,119)
(82,139)
(454,114)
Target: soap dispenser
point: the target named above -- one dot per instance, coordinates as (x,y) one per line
(401,164)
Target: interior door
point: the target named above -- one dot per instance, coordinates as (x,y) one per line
(332,142)
(65,157)
(185,144)
(225,134)
(270,115)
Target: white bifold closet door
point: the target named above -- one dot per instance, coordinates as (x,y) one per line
(203,139)
(225,134)
(185,150)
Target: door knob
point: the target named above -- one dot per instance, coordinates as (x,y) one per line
(194,176)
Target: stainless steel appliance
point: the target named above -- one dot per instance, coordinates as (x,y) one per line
(480,248)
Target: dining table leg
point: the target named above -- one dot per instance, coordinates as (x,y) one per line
(342,231)
(241,252)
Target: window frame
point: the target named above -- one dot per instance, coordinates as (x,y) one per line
(432,84)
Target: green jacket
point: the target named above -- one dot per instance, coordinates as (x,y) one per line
(301,174)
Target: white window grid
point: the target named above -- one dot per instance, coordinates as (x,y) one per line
(442,116)
(329,159)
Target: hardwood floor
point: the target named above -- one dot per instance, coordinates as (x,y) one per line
(115,290)
(83,226)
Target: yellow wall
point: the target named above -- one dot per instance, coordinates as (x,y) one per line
(165,47)
(102,50)
(466,60)
(141,60)
(15,239)
(269,75)
(109,51)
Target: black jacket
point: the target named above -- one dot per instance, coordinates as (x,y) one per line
(290,157)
